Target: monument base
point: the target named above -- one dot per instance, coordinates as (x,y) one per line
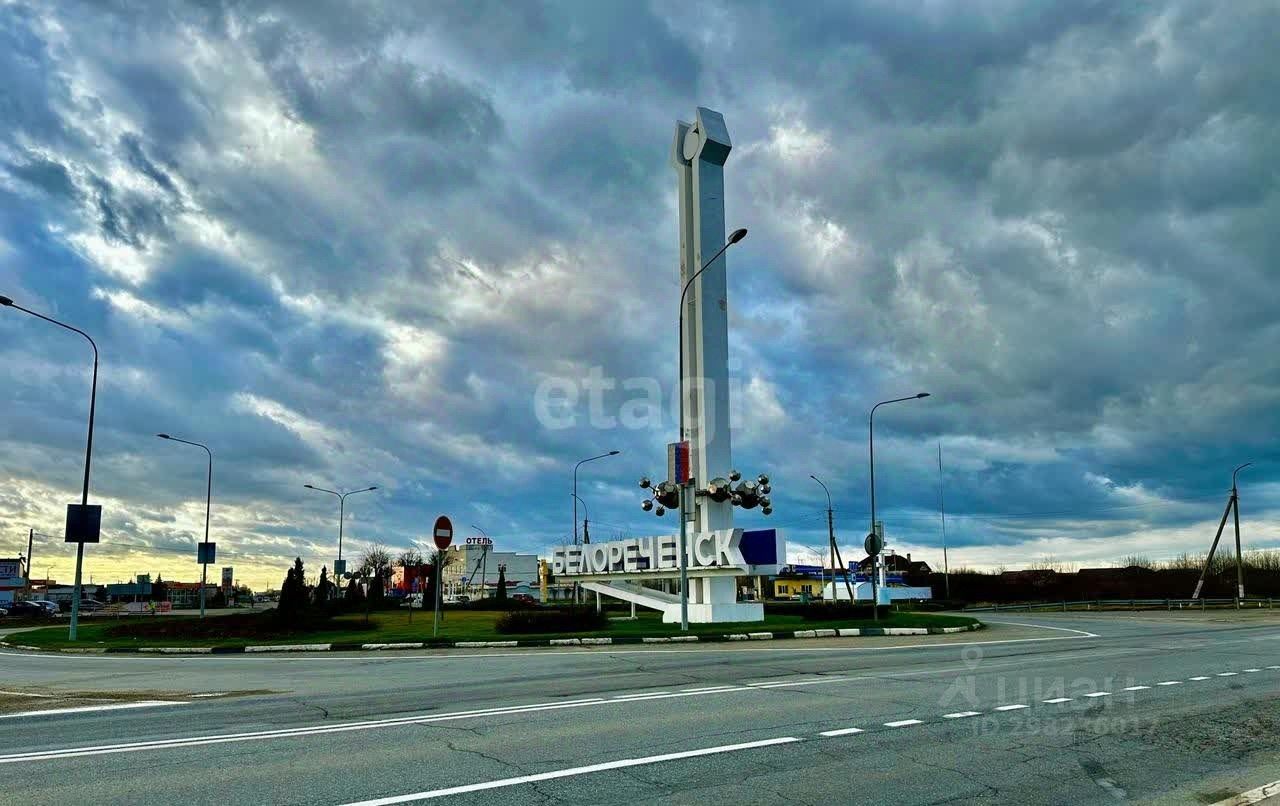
(716,613)
(722,607)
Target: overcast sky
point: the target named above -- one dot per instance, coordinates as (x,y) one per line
(346,243)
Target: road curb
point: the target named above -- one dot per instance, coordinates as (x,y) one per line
(775,635)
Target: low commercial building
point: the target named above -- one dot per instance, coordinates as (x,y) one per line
(472,570)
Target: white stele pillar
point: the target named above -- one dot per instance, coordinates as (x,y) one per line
(699,153)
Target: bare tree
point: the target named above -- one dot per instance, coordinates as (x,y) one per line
(376,563)
(409,558)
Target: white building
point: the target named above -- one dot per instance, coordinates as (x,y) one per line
(473,570)
(862,592)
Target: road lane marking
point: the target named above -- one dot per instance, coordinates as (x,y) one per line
(88,709)
(632,697)
(703,689)
(1227,674)
(209,694)
(25,694)
(902,723)
(1258,795)
(1098,694)
(1199,677)
(840,732)
(1253,670)
(1136,688)
(1081,633)
(961,714)
(573,772)
(1057,700)
(1170,683)
(1017,707)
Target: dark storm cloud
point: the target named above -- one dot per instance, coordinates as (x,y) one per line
(346,241)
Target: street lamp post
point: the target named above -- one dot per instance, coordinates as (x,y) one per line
(734,237)
(586,518)
(578,594)
(871,455)
(208,505)
(835,550)
(342,511)
(88,452)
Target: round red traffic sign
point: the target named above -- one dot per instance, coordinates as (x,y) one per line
(442,533)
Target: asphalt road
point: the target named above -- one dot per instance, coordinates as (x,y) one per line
(1080,708)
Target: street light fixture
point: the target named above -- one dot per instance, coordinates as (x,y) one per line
(871,453)
(208,505)
(342,508)
(7,302)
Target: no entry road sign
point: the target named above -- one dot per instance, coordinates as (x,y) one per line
(443,532)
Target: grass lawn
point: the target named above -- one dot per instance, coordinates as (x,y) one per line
(458,625)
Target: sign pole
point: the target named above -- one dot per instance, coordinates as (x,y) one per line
(435,621)
(442,534)
(684,564)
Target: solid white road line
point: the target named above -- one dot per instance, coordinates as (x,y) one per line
(573,772)
(1253,795)
(841,732)
(1170,683)
(961,714)
(88,709)
(1017,707)
(1081,633)
(1057,700)
(902,723)
(24,694)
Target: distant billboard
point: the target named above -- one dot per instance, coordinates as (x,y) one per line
(228,575)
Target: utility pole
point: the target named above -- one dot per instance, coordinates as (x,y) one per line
(835,549)
(31,539)
(942,511)
(1233,504)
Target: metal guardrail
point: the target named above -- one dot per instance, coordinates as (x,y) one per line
(1130,604)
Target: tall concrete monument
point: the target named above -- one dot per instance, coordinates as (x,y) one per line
(703,488)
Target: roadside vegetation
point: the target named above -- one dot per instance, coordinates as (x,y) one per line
(394,626)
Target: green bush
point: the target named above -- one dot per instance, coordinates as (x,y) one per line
(527,622)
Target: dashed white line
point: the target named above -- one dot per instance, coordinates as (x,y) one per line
(902,723)
(1017,707)
(1227,674)
(1057,700)
(840,732)
(1199,677)
(1253,670)
(1098,694)
(1170,683)
(961,714)
(573,772)
(1136,688)
(701,689)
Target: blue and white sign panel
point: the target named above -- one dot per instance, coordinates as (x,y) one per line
(726,552)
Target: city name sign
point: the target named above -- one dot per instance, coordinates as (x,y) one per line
(718,551)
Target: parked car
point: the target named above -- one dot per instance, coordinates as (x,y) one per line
(53,607)
(525,599)
(3,612)
(29,610)
(413,600)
